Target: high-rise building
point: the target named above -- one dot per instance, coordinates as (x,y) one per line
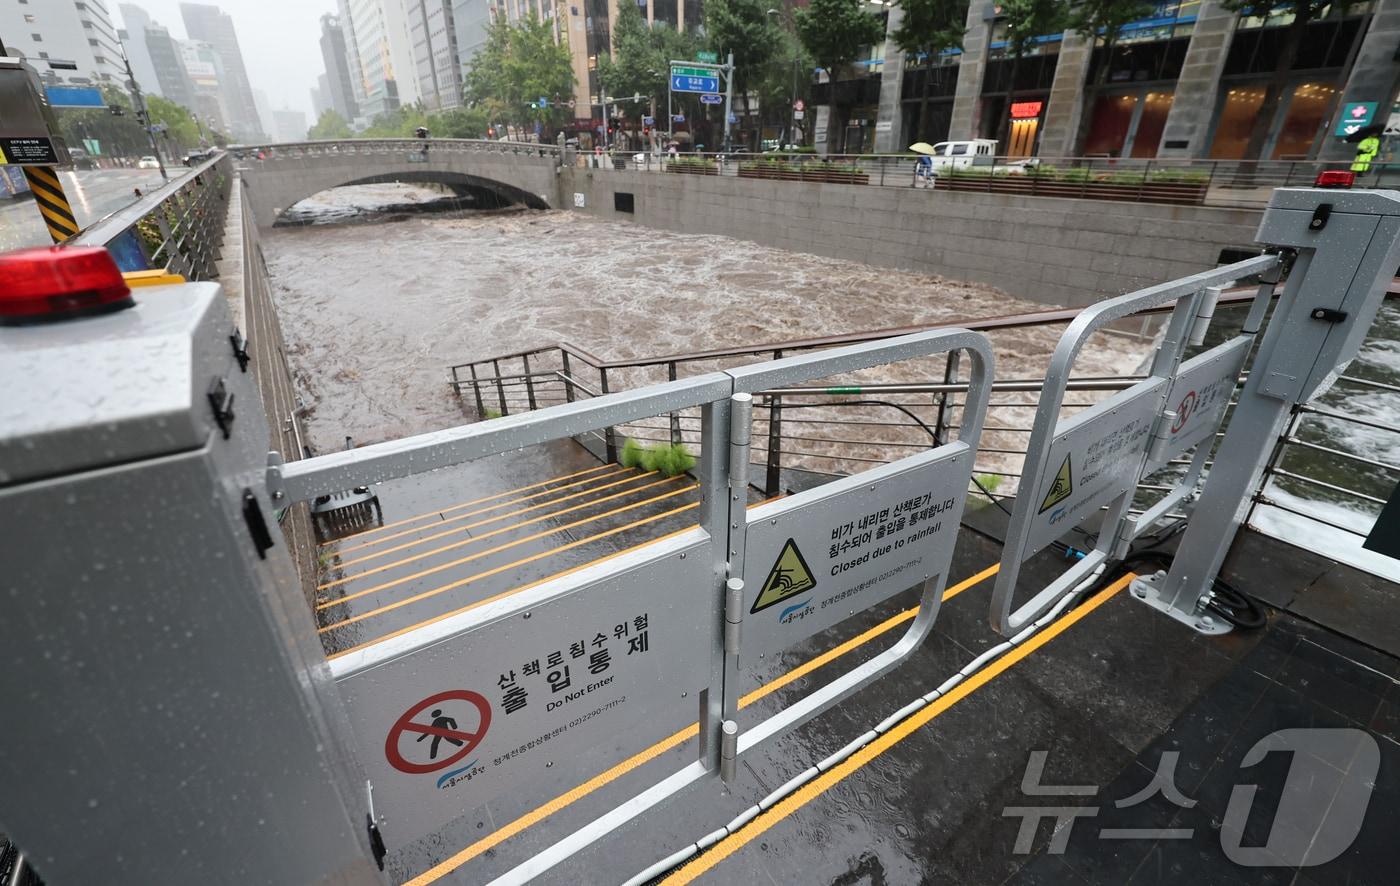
(338,90)
(289,126)
(135,20)
(435,58)
(320,96)
(79,33)
(210,24)
(470,19)
(167,60)
(378,37)
(204,68)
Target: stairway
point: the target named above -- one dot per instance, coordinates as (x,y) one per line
(424,567)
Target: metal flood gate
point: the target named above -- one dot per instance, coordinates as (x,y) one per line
(1344,248)
(454,713)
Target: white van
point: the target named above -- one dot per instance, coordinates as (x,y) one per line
(958,155)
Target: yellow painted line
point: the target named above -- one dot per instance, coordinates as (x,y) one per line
(467,504)
(500,568)
(155,277)
(525,587)
(540,813)
(515,513)
(472,513)
(838,773)
(521,562)
(496,549)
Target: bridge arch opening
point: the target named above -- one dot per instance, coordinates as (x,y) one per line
(455,190)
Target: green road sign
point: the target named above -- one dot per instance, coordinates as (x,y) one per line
(703,56)
(681,71)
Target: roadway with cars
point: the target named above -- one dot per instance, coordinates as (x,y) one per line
(93,194)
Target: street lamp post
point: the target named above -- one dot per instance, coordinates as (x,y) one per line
(143,115)
(792,99)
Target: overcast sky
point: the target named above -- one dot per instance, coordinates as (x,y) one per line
(280,41)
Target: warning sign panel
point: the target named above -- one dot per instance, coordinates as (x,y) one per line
(816,558)
(1096,455)
(533,698)
(31,151)
(788,578)
(1199,395)
(1061,487)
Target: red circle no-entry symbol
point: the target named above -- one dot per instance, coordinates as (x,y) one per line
(457,718)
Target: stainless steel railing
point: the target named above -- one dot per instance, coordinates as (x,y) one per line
(177,228)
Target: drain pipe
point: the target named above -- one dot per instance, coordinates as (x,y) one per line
(680,856)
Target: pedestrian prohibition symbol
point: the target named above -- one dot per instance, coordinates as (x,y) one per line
(458,718)
(788,578)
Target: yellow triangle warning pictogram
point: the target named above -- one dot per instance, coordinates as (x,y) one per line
(788,578)
(1061,488)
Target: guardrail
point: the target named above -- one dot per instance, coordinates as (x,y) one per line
(178,228)
(353,146)
(1181,182)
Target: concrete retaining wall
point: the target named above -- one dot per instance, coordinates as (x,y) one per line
(1048,250)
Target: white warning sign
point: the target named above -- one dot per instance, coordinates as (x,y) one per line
(539,699)
(1094,457)
(816,558)
(1200,393)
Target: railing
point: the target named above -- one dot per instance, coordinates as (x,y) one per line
(178,227)
(1172,181)
(354,146)
(843,428)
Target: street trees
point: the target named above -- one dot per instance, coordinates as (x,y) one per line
(834,32)
(638,65)
(329,125)
(518,64)
(180,127)
(928,28)
(1025,21)
(1103,20)
(1304,13)
(744,28)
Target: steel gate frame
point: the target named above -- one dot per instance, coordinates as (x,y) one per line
(725,402)
(1194,297)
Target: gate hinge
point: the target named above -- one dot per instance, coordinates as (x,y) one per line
(221,402)
(240,349)
(733,614)
(376,842)
(1320,216)
(273,476)
(257,526)
(1329,315)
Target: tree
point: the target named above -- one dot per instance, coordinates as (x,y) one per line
(1102,20)
(637,66)
(459,123)
(179,123)
(329,125)
(928,28)
(1304,13)
(834,32)
(519,64)
(744,28)
(1025,21)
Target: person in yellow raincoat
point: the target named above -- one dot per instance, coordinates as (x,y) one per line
(1366,151)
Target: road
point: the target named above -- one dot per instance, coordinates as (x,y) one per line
(93,193)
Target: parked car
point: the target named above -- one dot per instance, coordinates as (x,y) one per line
(80,159)
(199,155)
(148,162)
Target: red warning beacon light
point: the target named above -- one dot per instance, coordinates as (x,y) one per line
(59,283)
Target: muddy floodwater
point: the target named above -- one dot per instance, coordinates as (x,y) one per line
(375,313)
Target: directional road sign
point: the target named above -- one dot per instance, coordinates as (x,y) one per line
(707,56)
(691,83)
(711,99)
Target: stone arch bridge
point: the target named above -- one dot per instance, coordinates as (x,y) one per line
(278,176)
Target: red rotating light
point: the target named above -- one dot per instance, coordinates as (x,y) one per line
(1335,178)
(59,282)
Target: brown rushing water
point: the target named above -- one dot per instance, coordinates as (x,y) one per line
(375,313)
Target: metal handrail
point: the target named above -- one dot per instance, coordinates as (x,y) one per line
(324,147)
(180,226)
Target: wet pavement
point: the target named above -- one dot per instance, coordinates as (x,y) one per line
(93,194)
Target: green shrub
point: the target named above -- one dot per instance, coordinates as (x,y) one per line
(491,413)
(665,458)
(989,482)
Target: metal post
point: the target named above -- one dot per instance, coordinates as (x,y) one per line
(728,98)
(610,432)
(675,416)
(500,387)
(476,389)
(52,201)
(1347,256)
(568,379)
(529,382)
(943,422)
(145,116)
(740,431)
